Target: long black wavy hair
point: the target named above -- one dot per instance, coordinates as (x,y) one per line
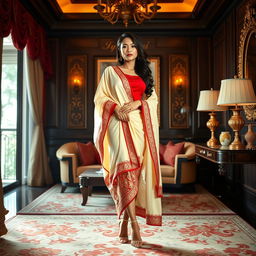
(141,64)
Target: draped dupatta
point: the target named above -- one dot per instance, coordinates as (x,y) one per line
(128,174)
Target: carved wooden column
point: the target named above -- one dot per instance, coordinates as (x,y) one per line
(3,211)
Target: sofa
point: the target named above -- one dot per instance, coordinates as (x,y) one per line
(183,171)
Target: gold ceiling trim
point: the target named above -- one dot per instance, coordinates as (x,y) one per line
(186,6)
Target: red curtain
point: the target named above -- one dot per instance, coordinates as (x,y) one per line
(25,31)
(5,17)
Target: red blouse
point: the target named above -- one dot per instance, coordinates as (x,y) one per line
(137,85)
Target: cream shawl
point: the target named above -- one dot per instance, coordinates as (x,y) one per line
(129,151)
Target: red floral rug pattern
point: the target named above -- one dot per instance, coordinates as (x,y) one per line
(54,202)
(97,235)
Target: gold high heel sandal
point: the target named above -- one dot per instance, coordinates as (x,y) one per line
(123,239)
(136,243)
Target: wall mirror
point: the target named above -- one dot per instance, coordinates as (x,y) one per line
(247,54)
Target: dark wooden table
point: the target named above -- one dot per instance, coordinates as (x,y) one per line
(88,179)
(225,156)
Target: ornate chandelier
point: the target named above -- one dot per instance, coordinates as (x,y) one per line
(112,10)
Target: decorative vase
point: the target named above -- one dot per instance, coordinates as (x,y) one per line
(225,139)
(250,137)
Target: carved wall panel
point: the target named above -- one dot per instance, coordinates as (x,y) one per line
(77,93)
(179,91)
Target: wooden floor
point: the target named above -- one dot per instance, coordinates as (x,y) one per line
(19,197)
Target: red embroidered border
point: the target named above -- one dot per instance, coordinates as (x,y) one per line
(129,181)
(153,220)
(124,81)
(129,178)
(145,113)
(129,170)
(134,162)
(108,110)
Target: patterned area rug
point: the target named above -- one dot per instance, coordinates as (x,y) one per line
(54,202)
(97,235)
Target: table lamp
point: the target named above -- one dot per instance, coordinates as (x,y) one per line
(208,102)
(236,92)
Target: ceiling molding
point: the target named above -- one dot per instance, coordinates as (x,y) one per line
(96,1)
(202,19)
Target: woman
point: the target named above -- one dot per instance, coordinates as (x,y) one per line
(127,138)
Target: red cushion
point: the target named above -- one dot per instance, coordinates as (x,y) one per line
(88,153)
(162,149)
(171,151)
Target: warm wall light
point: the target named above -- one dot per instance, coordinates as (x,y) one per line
(236,92)
(208,102)
(179,81)
(76,83)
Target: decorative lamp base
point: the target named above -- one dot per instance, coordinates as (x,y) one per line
(236,146)
(213,143)
(236,122)
(212,124)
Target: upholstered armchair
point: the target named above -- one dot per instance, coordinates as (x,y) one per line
(70,164)
(184,169)
(182,172)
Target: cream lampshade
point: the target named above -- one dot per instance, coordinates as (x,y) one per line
(208,102)
(236,92)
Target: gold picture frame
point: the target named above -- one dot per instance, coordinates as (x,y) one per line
(247,33)
(101,64)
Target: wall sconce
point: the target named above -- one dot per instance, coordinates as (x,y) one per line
(76,84)
(208,102)
(179,82)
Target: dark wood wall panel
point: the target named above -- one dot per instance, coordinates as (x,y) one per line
(219,56)
(204,78)
(231,46)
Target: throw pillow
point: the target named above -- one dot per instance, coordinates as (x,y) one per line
(171,151)
(88,153)
(162,149)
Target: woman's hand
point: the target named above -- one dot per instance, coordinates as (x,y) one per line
(130,106)
(121,115)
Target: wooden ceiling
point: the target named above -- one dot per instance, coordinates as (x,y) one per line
(86,6)
(175,16)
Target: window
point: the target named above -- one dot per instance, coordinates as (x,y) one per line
(9,124)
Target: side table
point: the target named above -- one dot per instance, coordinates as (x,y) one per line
(225,156)
(88,179)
